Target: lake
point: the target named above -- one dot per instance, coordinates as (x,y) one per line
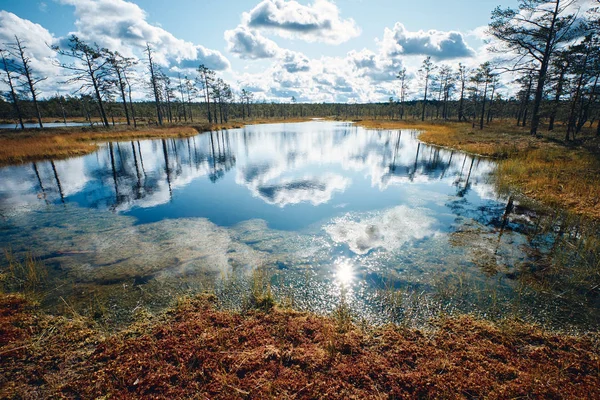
(31,125)
(399,230)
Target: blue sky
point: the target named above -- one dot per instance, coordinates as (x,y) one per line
(316,50)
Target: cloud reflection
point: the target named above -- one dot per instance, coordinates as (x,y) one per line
(389,229)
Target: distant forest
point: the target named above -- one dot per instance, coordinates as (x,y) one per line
(550,52)
(84,109)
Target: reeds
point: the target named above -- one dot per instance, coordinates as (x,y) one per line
(28,275)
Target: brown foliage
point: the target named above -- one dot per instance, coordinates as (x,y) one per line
(196,351)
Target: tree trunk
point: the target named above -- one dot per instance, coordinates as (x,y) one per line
(559,88)
(425,98)
(539,91)
(30,83)
(123,97)
(13,94)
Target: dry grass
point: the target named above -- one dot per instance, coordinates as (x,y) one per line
(34,144)
(63,143)
(195,351)
(544,168)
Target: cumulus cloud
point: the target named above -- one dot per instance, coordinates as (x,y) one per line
(293,61)
(250,44)
(314,190)
(316,22)
(441,45)
(121,25)
(389,229)
(36,38)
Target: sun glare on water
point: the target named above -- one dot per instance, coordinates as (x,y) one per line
(344,271)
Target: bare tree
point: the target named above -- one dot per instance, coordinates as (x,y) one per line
(89,70)
(207,77)
(426,70)
(403,88)
(154,83)
(120,65)
(9,81)
(17,50)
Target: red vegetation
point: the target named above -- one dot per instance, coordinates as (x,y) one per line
(196,351)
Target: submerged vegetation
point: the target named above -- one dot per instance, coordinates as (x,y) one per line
(195,350)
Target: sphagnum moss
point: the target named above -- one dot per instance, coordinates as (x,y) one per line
(195,350)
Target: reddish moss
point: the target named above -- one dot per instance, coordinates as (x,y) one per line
(197,351)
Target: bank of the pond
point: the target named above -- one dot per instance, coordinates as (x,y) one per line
(18,146)
(548,169)
(195,350)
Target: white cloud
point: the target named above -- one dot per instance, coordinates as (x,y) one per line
(389,229)
(36,39)
(438,44)
(122,26)
(250,44)
(317,22)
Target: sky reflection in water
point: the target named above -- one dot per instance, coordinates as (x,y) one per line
(290,175)
(319,203)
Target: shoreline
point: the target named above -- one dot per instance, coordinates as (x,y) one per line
(546,169)
(18,147)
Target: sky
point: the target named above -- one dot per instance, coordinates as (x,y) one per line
(314,50)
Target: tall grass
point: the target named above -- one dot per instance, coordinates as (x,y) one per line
(28,275)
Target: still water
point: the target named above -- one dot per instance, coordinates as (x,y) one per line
(31,125)
(400,230)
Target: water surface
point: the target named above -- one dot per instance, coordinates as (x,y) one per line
(402,229)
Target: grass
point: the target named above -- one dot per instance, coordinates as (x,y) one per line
(28,275)
(557,173)
(197,351)
(35,144)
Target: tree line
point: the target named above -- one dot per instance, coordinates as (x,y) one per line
(554,64)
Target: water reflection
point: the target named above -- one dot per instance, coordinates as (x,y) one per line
(307,165)
(344,271)
(411,230)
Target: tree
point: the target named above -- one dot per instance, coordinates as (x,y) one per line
(167,93)
(483,76)
(191,92)
(17,50)
(446,84)
(426,70)
(181,93)
(463,77)
(154,83)
(207,77)
(533,32)
(89,69)
(120,65)
(559,67)
(403,88)
(247,97)
(8,68)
